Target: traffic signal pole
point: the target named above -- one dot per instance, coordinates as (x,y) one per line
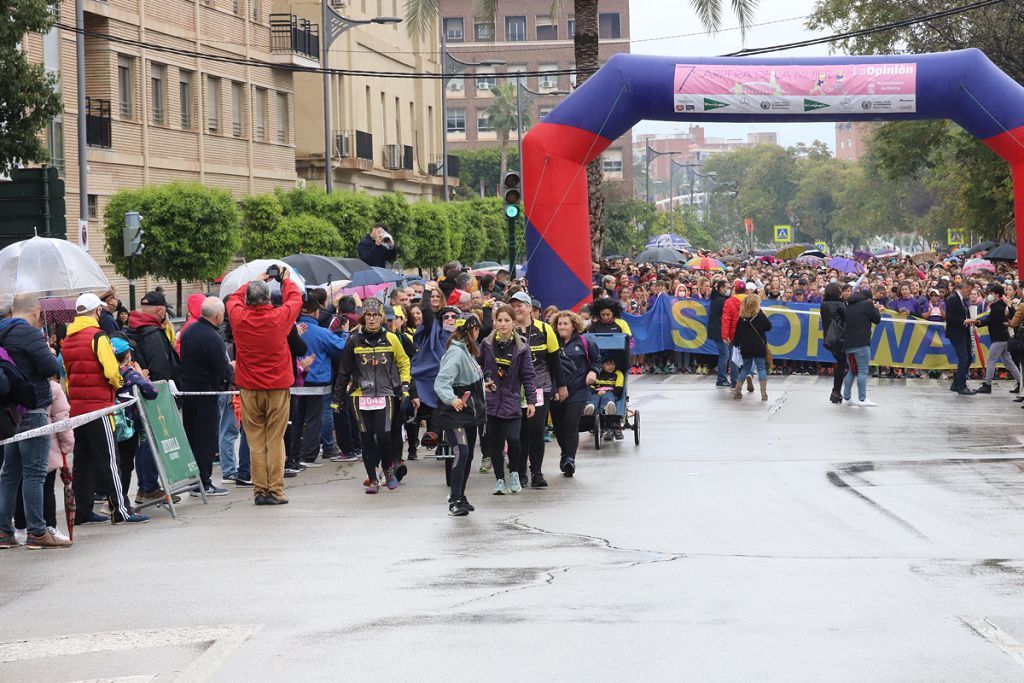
(512,194)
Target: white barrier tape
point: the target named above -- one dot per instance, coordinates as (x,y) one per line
(65,425)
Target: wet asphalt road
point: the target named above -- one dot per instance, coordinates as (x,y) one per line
(787,540)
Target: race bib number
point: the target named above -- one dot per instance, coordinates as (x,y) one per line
(371,403)
(540,397)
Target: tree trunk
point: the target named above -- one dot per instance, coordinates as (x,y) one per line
(504,157)
(587,60)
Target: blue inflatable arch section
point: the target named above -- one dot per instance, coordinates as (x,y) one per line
(964,86)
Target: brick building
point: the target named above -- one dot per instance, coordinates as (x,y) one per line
(156,117)
(528,39)
(852,139)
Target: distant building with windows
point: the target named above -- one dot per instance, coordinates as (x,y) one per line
(852,139)
(529,39)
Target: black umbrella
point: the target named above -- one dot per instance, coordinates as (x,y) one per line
(1004,252)
(981,246)
(661,255)
(316,269)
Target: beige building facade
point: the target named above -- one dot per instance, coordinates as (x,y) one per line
(528,39)
(385,131)
(156,116)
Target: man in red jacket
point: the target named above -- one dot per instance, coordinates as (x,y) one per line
(264,374)
(731,315)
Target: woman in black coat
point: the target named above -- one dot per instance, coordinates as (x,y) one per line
(752,339)
(830,306)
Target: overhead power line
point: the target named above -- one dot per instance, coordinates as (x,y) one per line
(866,31)
(242,61)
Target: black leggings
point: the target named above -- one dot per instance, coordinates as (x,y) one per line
(375,428)
(840,373)
(531,436)
(566,417)
(463,442)
(499,432)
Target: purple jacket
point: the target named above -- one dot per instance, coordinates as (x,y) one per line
(506,401)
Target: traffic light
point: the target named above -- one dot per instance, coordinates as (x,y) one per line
(512,193)
(133,232)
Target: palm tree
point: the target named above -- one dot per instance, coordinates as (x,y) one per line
(420,16)
(501,114)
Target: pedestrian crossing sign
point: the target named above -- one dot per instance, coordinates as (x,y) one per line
(783,233)
(822,246)
(955,238)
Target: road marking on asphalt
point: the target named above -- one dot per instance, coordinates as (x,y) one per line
(224,640)
(997,636)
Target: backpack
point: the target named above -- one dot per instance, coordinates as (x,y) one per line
(835,338)
(18,388)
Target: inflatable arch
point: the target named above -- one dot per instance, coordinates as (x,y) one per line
(964,86)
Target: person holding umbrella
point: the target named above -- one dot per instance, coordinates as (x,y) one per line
(25,462)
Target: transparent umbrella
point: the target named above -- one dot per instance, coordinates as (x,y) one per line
(48,267)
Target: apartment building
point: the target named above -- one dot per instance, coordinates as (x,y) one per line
(385,132)
(156,112)
(528,39)
(852,139)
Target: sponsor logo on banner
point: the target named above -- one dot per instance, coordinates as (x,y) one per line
(773,89)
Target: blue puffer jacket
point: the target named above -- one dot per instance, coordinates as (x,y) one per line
(580,356)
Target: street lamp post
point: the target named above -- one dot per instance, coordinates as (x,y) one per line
(709,185)
(334,25)
(448,66)
(651,155)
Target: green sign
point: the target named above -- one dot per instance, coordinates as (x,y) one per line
(783,233)
(32,203)
(711,105)
(167,438)
(811,105)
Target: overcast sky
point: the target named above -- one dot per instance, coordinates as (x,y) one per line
(661,18)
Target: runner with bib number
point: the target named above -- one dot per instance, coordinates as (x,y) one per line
(374,375)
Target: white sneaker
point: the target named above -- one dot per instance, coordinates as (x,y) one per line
(21,536)
(867,403)
(57,534)
(588,409)
(499,487)
(514,486)
(610,409)
(316,463)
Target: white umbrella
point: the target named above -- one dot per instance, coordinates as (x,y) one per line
(48,267)
(247,272)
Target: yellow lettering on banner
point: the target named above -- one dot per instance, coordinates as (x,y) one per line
(815,338)
(795,324)
(696,326)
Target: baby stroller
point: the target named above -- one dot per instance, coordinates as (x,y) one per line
(616,346)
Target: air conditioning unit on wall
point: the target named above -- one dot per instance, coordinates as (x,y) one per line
(343,145)
(393,157)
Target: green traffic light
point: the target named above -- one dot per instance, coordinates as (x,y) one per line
(511,210)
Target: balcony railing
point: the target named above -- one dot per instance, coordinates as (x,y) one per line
(436,167)
(97,123)
(290,34)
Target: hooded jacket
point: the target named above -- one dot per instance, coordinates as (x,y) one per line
(459,373)
(859,314)
(154,350)
(263,359)
(514,377)
(431,339)
(730,315)
(195,312)
(326,345)
(31,354)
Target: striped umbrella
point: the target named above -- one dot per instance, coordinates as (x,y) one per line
(704,263)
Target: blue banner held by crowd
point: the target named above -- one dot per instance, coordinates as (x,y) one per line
(682,325)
